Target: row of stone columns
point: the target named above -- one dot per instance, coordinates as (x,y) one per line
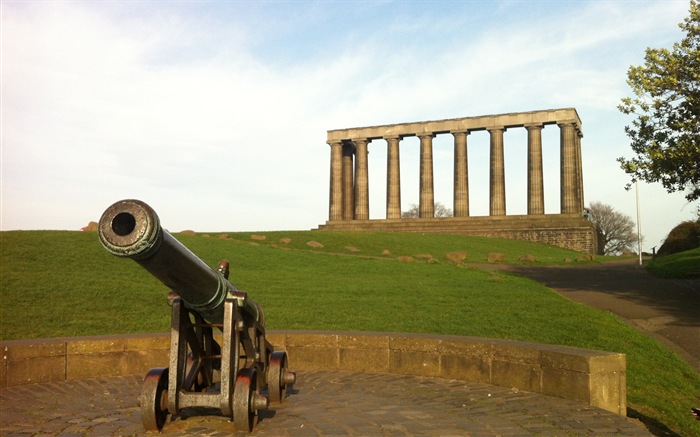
(349,190)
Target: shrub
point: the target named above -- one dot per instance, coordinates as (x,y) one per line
(685,236)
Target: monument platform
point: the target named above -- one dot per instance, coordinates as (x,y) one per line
(321,403)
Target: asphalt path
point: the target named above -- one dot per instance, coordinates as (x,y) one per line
(666,309)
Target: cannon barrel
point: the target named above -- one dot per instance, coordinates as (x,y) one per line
(131,229)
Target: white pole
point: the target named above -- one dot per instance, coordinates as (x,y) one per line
(639,224)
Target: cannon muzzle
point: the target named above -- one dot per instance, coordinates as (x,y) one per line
(130,228)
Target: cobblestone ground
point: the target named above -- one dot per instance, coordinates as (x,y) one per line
(321,403)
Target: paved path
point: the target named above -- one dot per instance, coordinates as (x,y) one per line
(667,309)
(321,404)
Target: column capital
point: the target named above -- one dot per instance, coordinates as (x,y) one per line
(460,131)
(425,134)
(496,128)
(567,122)
(361,140)
(393,137)
(529,126)
(332,142)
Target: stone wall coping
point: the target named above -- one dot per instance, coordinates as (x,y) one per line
(591,377)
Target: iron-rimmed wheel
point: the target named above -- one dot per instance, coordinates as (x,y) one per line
(154,399)
(247,400)
(278,376)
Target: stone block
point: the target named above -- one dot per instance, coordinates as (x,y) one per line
(607,362)
(89,346)
(277,339)
(477,347)
(364,360)
(566,383)
(364,341)
(93,365)
(609,391)
(18,350)
(415,343)
(516,352)
(522,376)
(313,358)
(566,358)
(470,368)
(149,343)
(138,362)
(417,363)
(36,370)
(313,339)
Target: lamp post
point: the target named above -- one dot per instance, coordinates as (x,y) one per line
(639,224)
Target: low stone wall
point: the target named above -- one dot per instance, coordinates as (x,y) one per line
(591,377)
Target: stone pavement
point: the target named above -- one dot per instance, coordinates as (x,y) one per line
(320,403)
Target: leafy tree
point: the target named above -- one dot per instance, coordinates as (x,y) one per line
(665,136)
(440,211)
(616,231)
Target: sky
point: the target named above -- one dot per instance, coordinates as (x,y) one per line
(216,113)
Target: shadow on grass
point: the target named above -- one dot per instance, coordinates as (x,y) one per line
(652,425)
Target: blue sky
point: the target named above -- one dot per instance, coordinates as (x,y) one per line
(216,113)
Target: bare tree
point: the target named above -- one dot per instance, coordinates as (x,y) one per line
(616,231)
(440,211)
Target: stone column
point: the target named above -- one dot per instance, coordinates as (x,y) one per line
(348,181)
(461,179)
(579,170)
(361,180)
(426,203)
(569,176)
(497,173)
(535,178)
(336,193)
(393,179)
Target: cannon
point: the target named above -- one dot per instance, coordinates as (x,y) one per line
(241,375)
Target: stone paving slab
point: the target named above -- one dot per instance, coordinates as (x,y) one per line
(320,404)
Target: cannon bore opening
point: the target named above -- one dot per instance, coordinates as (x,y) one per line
(123,224)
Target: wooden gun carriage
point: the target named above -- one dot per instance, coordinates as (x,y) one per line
(241,375)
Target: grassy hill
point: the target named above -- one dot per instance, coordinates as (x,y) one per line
(684,264)
(65,284)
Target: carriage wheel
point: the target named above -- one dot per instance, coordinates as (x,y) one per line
(278,376)
(247,400)
(154,399)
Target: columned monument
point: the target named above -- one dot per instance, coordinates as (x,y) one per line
(349,182)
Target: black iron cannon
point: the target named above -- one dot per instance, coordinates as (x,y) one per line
(232,376)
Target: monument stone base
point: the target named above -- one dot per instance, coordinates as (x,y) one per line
(569,231)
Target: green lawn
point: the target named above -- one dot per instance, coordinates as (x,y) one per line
(678,265)
(65,284)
